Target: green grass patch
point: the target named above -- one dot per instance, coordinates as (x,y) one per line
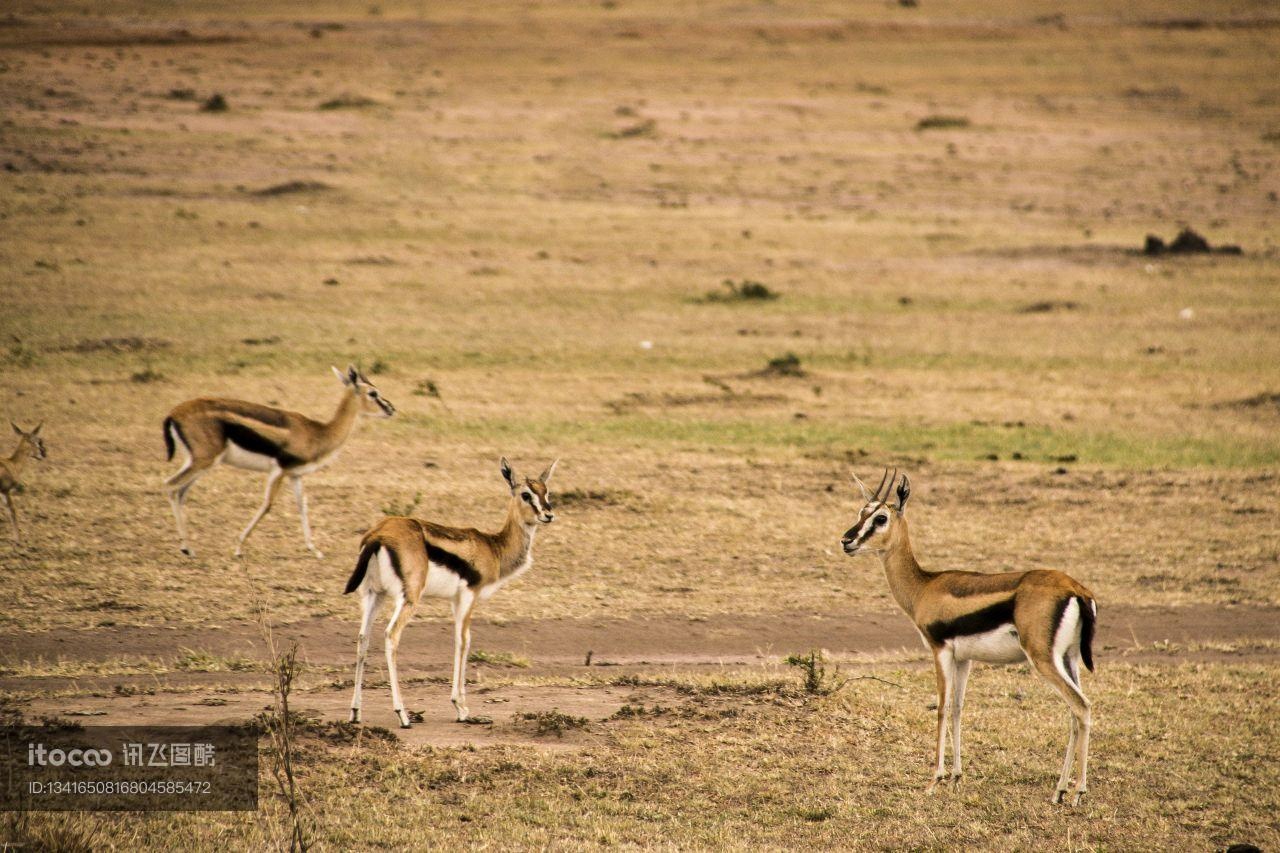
(942,441)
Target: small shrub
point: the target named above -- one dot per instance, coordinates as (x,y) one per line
(402,509)
(551,722)
(942,123)
(348,102)
(215,104)
(379,367)
(743,291)
(498,659)
(787,364)
(816,680)
(20,355)
(641,130)
(147,375)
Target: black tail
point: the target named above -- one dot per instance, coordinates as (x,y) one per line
(362,566)
(1087,624)
(169,426)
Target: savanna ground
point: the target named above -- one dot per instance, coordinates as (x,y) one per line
(520,219)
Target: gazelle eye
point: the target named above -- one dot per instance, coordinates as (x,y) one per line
(527,497)
(881,520)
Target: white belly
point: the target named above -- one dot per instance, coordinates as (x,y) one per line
(441,582)
(237,457)
(999,645)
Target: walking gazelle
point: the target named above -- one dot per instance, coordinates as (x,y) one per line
(462,565)
(262,438)
(30,446)
(1041,616)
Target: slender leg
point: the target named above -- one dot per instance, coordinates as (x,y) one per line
(273,486)
(399,618)
(943,666)
(1064,781)
(369,602)
(301,497)
(178,485)
(462,610)
(13,517)
(957,706)
(1078,738)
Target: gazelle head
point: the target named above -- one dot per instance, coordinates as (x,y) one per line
(533,502)
(371,402)
(33,441)
(870,533)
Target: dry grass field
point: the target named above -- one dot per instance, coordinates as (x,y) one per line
(538,226)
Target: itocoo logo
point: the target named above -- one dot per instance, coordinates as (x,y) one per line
(39,754)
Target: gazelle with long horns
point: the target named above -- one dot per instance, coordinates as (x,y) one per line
(30,446)
(404,559)
(262,438)
(1044,617)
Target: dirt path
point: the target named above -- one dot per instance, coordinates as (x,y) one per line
(552,647)
(728,639)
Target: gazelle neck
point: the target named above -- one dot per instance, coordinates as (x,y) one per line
(515,541)
(340,426)
(18,459)
(906,578)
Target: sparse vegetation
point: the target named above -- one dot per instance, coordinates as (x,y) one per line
(216,103)
(499,226)
(941,122)
(406,508)
(787,364)
(551,722)
(742,291)
(642,129)
(348,102)
(508,659)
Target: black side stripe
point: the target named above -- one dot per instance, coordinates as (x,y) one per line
(451,561)
(978,622)
(244,437)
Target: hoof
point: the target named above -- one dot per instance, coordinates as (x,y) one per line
(1056,799)
(955,780)
(933,785)
(355,715)
(319,555)
(404,718)
(1075,801)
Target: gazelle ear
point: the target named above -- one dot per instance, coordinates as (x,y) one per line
(353,375)
(904,492)
(16,428)
(551,469)
(508,474)
(36,431)
(342,377)
(866,496)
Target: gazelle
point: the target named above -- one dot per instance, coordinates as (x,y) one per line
(30,446)
(463,565)
(262,438)
(1041,616)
